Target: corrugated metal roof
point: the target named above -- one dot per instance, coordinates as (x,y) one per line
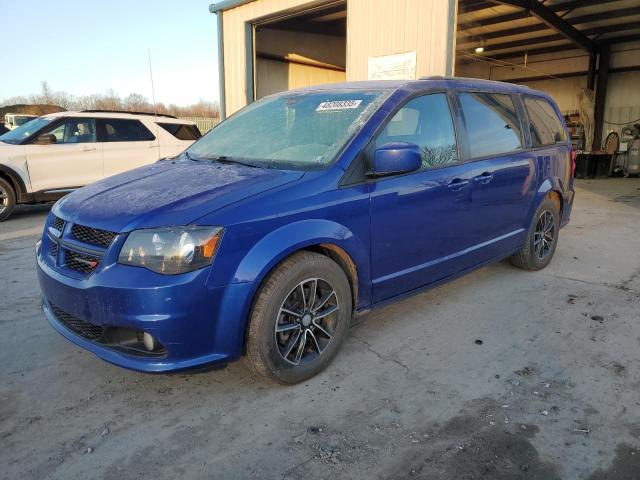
(227,4)
(505,31)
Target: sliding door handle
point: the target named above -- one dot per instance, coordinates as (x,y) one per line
(485,177)
(457,184)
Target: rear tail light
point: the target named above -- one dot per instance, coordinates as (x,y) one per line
(573,162)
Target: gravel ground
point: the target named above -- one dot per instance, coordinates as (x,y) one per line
(502,374)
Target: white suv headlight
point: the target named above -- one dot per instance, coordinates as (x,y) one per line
(172,250)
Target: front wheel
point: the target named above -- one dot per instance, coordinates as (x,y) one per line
(542,238)
(7,199)
(300,318)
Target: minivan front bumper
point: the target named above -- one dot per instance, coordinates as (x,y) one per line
(195,324)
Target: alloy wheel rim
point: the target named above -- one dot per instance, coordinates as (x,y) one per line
(4,199)
(544,234)
(307,321)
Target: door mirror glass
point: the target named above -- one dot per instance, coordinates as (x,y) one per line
(394,158)
(45,139)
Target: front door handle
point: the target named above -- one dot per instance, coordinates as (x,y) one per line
(152,145)
(87,149)
(484,178)
(457,184)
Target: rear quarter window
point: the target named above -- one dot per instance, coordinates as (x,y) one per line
(124,130)
(492,123)
(545,126)
(182,131)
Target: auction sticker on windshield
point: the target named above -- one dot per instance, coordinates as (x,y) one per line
(338,105)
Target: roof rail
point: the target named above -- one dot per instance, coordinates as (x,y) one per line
(433,77)
(132,113)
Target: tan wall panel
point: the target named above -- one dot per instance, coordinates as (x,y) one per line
(375,28)
(274,76)
(385,27)
(305,75)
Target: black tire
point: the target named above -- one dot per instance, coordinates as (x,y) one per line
(287,288)
(539,249)
(7,199)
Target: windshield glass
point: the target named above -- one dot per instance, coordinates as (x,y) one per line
(18,134)
(300,130)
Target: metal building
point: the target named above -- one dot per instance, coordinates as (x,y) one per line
(271,45)
(559,46)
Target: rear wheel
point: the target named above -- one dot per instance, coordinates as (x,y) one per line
(7,199)
(300,318)
(542,238)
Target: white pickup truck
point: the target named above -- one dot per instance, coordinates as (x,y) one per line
(14,120)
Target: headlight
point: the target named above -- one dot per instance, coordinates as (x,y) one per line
(171,250)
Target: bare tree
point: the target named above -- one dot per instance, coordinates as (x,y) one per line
(110,100)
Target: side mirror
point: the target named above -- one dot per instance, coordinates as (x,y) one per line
(45,139)
(395,158)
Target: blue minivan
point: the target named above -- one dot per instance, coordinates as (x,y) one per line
(267,235)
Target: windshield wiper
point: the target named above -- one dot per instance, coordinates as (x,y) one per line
(226,159)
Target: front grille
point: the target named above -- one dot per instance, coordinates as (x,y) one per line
(80,261)
(81,327)
(58,223)
(93,236)
(54,249)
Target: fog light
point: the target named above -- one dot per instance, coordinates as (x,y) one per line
(149,342)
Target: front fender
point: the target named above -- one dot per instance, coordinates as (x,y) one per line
(287,239)
(16,169)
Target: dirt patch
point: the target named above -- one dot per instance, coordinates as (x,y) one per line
(625,465)
(469,446)
(526,372)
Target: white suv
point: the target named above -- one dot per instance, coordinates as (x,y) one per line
(48,157)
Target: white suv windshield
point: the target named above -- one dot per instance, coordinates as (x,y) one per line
(17,135)
(295,130)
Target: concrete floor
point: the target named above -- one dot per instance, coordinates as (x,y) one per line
(551,392)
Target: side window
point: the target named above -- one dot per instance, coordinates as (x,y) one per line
(75,130)
(544,124)
(492,123)
(182,131)
(425,121)
(122,130)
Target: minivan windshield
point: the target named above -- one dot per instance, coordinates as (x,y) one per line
(17,135)
(298,130)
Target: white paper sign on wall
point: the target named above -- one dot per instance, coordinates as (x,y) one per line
(401,66)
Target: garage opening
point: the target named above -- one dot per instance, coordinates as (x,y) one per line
(586,54)
(299,49)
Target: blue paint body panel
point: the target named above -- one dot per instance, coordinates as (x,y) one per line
(402,233)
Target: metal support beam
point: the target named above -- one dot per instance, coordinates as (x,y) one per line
(553,21)
(509,17)
(467,6)
(573,21)
(591,73)
(557,48)
(547,38)
(223,92)
(249,62)
(601,96)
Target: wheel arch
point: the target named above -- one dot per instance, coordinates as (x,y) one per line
(323,236)
(550,188)
(329,239)
(15,181)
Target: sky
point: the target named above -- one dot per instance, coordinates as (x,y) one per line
(90,46)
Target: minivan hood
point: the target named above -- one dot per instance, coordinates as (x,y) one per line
(167,193)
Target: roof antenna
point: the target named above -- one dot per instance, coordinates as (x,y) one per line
(153,98)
